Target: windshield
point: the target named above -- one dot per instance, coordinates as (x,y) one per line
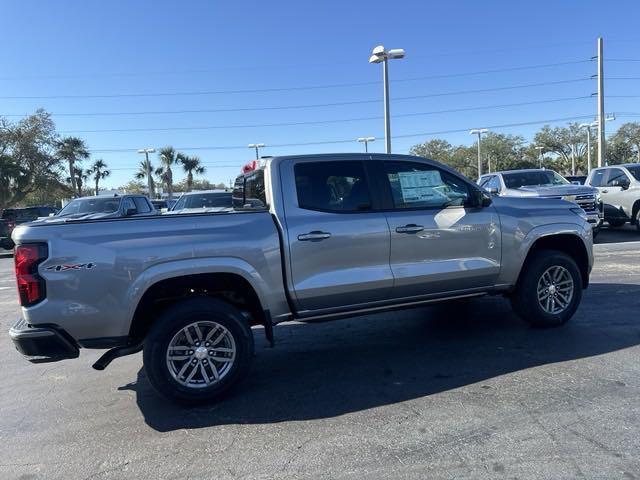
(635,171)
(204,200)
(85,206)
(533,178)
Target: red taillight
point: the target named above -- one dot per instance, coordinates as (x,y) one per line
(250,167)
(31,287)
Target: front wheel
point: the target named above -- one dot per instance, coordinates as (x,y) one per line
(549,289)
(197,350)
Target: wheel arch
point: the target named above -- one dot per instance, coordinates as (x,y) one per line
(240,287)
(568,243)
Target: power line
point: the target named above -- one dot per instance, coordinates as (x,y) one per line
(270,66)
(323,122)
(351,140)
(316,105)
(283,89)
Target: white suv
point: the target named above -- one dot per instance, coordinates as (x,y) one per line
(619,187)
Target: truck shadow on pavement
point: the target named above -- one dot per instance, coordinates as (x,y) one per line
(324,370)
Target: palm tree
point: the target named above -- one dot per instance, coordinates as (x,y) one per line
(167,158)
(190,165)
(99,172)
(80,177)
(146,170)
(72,149)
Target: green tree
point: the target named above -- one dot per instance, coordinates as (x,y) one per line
(624,144)
(27,160)
(190,165)
(72,150)
(99,172)
(563,143)
(167,157)
(133,187)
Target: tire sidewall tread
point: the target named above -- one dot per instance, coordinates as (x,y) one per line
(525,298)
(176,317)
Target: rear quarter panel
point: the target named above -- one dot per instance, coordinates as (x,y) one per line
(120,259)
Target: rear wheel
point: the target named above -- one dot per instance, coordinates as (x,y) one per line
(637,220)
(197,350)
(549,289)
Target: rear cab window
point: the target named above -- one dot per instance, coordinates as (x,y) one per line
(249,191)
(338,187)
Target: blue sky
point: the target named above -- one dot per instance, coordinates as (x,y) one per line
(125,47)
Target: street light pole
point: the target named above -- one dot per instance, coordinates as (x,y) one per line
(380,55)
(479,132)
(540,149)
(588,126)
(366,141)
(257,146)
(150,188)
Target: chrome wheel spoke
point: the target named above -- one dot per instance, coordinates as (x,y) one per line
(187,334)
(555,289)
(179,357)
(202,361)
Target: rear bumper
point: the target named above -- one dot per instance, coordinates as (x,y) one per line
(44,343)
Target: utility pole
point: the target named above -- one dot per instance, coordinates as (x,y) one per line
(601,119)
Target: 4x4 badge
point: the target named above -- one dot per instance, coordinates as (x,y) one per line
(75,266)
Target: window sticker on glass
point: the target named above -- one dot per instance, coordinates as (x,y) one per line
(421,186)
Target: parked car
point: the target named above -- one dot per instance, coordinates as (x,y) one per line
(17,216)
(619,187)
(203,201)
(576,179)
(317,237)
(545,183)
(103,206)
(5,235)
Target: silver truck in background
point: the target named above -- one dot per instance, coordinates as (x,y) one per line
(312,238)
(545,183)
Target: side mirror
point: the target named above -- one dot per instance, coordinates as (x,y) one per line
(482,199)
(130,211)
(622,183)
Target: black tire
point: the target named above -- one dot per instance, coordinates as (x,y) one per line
(525,298)
(616,223)
(596,231)
(637,220)
(170,323)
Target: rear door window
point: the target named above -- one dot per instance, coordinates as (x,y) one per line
(338,187)
(142,205)
(616,175)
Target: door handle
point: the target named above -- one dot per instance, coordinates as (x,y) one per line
(316,235)
(605,191)
(411,228)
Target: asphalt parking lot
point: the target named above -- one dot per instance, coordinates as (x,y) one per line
(457,391)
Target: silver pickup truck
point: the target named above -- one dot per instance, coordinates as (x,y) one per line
(311,238)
